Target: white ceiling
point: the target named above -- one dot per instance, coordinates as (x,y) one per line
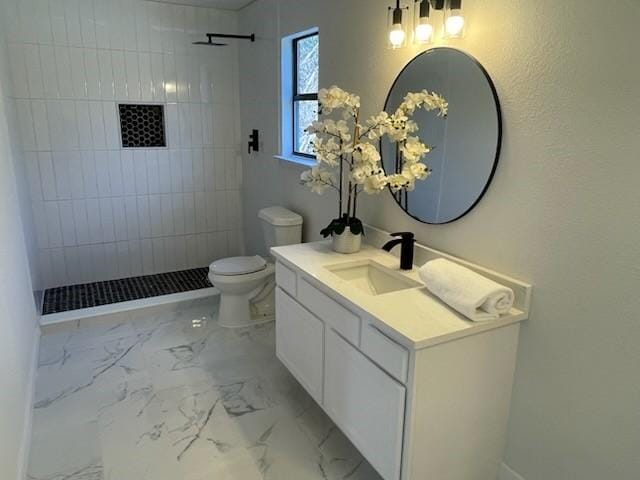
(226,4)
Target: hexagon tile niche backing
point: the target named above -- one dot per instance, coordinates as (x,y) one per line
(142,126)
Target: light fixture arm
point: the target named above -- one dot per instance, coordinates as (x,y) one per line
(397,13)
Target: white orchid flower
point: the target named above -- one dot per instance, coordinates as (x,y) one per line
(327,151)
(377,126)
(412,101)
(318,180)
(413,149)
(359,175)
(343,142)
(419,170)
(375,183)
(366,153)
(426,100)
(334,98)
(396,182)
(315,127)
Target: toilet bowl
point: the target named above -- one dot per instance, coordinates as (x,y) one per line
(247,284)
(240,280)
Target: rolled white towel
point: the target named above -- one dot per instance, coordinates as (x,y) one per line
(471,294)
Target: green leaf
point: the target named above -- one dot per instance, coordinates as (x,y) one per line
(330,229)
(339,225)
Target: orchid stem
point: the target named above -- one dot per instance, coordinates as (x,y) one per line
(355,200)
(340,189)
(356,132)
(349,202)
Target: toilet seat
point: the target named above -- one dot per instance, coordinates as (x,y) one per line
(238,266)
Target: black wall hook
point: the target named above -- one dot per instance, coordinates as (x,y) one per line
(254,141)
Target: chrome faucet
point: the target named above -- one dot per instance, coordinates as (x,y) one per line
(406,241)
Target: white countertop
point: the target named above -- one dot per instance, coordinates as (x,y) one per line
(413,317)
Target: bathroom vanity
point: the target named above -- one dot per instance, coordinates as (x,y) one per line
(422,392)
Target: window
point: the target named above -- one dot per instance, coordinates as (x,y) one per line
(299,95)
(305,91)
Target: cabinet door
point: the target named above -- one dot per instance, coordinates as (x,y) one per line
(299,343)
(366,403)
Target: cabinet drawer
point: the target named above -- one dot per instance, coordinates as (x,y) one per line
(391,356)
(331,312)
(366,403)
(286,279)
(300,343)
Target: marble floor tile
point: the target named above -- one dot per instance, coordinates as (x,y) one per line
(72,452)
(166,393)
(85,332)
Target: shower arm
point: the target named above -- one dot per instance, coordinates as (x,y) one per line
(211,36)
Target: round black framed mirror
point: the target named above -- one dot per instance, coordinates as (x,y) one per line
(465,144)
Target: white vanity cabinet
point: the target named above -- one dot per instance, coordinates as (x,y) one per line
(299,343)
(366,403)
(420,391)
(360,397)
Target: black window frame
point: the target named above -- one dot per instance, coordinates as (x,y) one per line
(299,97)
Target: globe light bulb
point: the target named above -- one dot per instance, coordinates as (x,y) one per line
(423,33)
(454,25)
(396,36)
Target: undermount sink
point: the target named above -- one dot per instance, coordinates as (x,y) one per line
(372,277)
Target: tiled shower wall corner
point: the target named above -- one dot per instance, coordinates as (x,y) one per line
(100,211)
(13,156)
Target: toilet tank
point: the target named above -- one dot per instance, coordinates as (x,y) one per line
(280,226)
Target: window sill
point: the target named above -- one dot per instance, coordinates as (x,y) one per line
(297,159)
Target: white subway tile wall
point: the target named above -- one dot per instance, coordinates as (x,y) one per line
(103,212)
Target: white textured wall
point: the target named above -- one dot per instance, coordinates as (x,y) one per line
(561,212)
(18,317)
(104,212)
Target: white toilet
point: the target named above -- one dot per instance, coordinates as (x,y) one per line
(247,284)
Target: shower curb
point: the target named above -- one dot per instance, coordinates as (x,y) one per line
(80,314)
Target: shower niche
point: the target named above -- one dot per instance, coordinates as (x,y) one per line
(142,125)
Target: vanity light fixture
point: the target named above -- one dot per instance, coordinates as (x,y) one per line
(453,19)
(397,26)
(422,26)
(423,21)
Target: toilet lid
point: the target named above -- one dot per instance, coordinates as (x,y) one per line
(238,265)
